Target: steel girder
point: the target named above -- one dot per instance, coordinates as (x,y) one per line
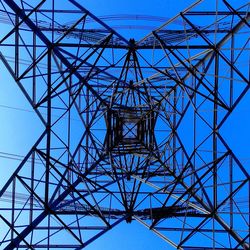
(149,144)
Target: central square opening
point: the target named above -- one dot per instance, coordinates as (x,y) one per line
(129,130)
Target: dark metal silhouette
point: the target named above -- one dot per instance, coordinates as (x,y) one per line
(132,129)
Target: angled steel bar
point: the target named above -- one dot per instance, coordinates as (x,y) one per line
(16,242)
(21,87)
(99,21)
(15,231)
(216,49)
(238,13)
(130,138)
(46,41)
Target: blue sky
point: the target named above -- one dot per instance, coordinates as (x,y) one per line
(20,126)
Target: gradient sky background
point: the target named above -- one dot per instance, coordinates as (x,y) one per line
(20,126)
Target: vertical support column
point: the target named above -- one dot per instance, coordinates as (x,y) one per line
(48,129)
(87,128)
(34,69)
(195,130)
(13,207)
(231,104)
(32,186)
(215,119)
(16,46)
(174,126)
(69,175)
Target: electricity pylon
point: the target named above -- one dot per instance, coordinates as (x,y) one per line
(148,144)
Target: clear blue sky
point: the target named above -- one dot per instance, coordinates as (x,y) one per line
(20,126)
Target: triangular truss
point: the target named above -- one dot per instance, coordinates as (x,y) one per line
(149,146)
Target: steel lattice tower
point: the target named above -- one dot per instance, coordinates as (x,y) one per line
(149,147)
